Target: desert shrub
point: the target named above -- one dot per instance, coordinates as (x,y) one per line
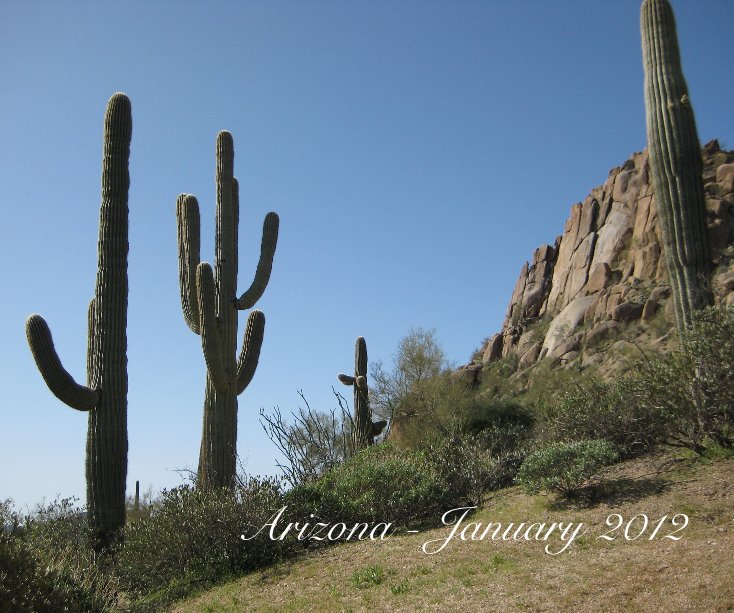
(508,417)
(379,484)
(418,358)
(598,410)
(564,467)
(448,407)
(692,389)
(473,463)
(312,441)
(47,564)
(683,398)
(192,539)
(433,407)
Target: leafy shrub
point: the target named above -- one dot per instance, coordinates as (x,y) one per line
(379,484)
(692,389)
(684,398)
(564,467)
(192,539)
(471,464)
(47,564)
(506,417)
(598,410)
(432,407)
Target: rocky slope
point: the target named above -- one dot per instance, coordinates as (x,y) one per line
(605,276)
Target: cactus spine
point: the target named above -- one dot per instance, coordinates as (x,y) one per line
(105,395)
(675,163)
(210,304)
(364,429)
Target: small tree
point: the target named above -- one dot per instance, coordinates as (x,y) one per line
(419,358)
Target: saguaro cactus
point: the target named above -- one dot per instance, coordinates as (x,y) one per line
(210,306)
(365,430)
(675,163)
(105,395)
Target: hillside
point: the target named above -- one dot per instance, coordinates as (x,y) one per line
(604,277)
(691,574)
(592,302)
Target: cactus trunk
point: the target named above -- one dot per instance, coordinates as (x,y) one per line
(218,452)
(210,305)
(675,163)
(105,395)
(364,429)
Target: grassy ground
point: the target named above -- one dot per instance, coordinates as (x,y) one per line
(695,573)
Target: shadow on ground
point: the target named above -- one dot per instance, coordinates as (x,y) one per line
(612,492)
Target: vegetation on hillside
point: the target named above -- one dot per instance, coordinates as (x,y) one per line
(450,445)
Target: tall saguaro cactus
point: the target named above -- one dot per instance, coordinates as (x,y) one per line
(675,163)
(105,395)
(210,304)
(365,430)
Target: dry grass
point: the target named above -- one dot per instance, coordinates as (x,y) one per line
(695,573)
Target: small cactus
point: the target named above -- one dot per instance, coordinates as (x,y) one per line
(210,304)
(365,430)
(105,395)
(675,163)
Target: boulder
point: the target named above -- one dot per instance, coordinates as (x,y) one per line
(650,309)
(493,350)
(572,344)
(601,331)
(599,277)
(725,283)
(725,177)
(564,324)
(469,373)
(660,293)
(627,312)
(530,356)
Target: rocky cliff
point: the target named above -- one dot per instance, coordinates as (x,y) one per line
(605,275)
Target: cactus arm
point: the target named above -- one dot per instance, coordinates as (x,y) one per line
(250,353)
(378,427)
(189,238)
(346,379)
(59,381)
(265,265)
(208,326)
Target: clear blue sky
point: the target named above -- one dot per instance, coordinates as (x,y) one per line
(416,152)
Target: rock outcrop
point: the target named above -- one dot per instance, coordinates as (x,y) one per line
(607,270)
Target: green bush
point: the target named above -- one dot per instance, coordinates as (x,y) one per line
(191,539)
(692,389)
(598,410)
(507,417)
(47,564)
(471,464)
(379,484)
(436,406)
(564,467)
(684,398)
